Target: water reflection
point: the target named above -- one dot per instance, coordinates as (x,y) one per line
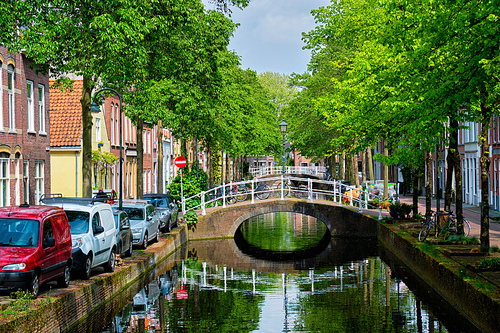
(282,236)
(346,287)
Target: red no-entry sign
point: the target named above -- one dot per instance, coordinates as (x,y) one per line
(180,162)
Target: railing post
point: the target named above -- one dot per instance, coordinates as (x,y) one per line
(253,189)
(340,192)
(310,189)
(334,192)
(282,187)
(360,200)
(379,208)
(183,206)
(203,211)
(350,194)
(223,195)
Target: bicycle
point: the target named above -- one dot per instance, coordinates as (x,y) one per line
(263,191)
(436,220)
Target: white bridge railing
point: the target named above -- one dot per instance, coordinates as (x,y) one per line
(292,170)
(281,187)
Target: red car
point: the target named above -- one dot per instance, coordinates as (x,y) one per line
(35,247)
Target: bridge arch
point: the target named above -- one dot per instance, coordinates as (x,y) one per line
(285,208)
(341,221)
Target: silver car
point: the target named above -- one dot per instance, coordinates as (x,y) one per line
(144,222)
(166,209)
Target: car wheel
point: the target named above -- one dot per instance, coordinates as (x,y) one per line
(63,281)
(35,284)
(88,267)
(157,239)
(169,225)
(110,265)
(128,253)
(145,242)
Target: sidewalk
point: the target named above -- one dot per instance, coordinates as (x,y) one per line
(471,213)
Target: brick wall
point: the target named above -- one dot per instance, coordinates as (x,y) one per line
(20,144)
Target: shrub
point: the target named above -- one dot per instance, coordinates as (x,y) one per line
(488,263)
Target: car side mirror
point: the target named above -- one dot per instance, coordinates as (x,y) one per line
(149,218)
(49,242)
(98,230)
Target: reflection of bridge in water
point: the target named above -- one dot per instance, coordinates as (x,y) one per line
(223,260)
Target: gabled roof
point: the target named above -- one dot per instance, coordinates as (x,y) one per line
(66,116)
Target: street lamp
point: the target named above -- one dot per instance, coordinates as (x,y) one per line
(94,107)
(283,126)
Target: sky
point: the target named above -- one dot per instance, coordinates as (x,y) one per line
(269,38)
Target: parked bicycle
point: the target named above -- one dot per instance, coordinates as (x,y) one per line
(442,222)
(262,191)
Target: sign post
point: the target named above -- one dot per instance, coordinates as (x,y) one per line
(181,162)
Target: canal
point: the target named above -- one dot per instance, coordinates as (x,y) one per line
(281,273)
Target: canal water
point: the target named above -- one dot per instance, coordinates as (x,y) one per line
(280,274)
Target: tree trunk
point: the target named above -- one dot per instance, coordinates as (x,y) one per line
(341,166)
(355,170)
(88,86)
(371,174)
(363,166)
(428,185)
(228,168)
(415,191)
(140,159)
(449,172)
(459,189)
(386,173)
(485,178)
(210,169)
(160,183)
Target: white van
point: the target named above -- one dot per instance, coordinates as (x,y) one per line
(93,232)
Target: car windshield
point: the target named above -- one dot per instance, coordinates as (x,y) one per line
(78,221)
(16,232)
(158,202)
(134,213)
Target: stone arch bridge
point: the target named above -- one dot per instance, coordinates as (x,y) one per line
(341,221)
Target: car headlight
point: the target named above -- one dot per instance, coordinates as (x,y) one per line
(14,267)
(136,230)
(77,243)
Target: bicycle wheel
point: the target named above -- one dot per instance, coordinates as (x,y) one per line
(241,195)
(263,191)
(466,228)
(424,231)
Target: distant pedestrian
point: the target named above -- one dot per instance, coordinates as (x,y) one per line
(100,194)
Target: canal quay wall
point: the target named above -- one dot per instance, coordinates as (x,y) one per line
(441,273)
(69,307)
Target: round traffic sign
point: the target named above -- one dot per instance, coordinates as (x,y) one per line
(180,162)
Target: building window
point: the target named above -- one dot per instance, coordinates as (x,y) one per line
(1,98)
(11,98)
(4,182)
(26,182)
(98,130)
(112,123)
(39,180)
(31,106)
(149,142)
(17,188)
(41,108)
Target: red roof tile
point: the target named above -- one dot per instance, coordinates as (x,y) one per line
(66,116)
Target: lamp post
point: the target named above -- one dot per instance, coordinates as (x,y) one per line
(283,126)
(95,107)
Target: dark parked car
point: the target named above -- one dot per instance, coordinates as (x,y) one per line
(123,233)
(165,208)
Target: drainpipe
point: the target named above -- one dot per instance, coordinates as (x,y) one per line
(76,178)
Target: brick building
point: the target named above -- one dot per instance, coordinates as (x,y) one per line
(24,131)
